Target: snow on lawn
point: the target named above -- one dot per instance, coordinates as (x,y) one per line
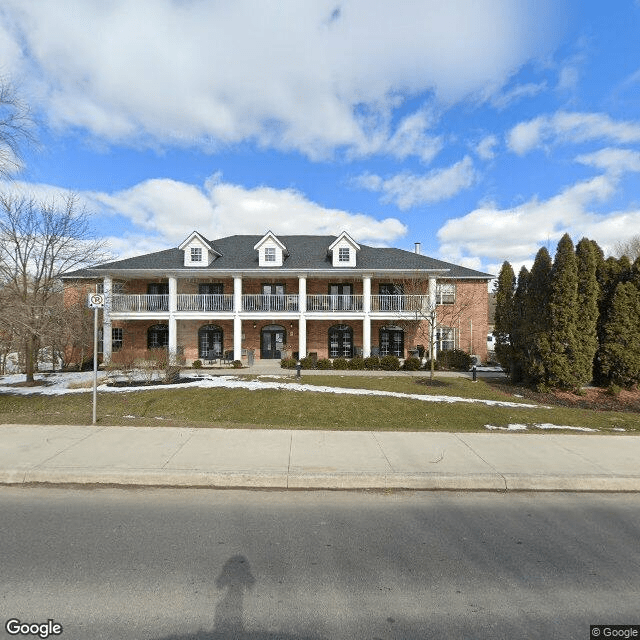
(58,384)
(546,425)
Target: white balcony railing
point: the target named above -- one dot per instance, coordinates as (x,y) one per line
(400,303)
(260,302)
(205,302)
(139,302)
(329,302)
(268,303)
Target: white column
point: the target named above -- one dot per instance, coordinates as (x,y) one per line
(366,323)
(173,325)
(106,320)
(302,320)
(432,310)
(237,321)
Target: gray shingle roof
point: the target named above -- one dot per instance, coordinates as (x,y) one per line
(304,253)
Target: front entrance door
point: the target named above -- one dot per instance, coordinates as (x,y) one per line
(272,342)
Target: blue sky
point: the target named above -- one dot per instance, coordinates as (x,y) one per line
(483,130)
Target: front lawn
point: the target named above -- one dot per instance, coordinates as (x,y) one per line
(283,409)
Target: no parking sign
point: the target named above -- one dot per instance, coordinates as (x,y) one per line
(96,300)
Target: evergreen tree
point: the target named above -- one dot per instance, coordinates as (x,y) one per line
(563,298)
(587,255)
(518,334)
(504,316)
(620,348)
(536,321)
(610,273)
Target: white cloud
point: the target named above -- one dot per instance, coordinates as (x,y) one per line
(486,147)
(518,92)
(169,210)
(516,233)
(615,161)
(290,74)
(410,139)
(563,127)
(160,213)
(408,190)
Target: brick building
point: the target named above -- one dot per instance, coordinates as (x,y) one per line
(277,296)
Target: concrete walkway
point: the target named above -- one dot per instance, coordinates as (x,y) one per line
(290,459)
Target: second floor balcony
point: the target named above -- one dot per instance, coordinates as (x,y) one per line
(268,303)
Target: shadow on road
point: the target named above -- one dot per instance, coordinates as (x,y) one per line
(236,578)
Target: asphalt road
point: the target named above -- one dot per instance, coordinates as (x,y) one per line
(203,564)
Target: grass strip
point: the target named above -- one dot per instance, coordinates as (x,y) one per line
(283,409)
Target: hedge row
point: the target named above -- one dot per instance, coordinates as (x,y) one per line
(446,360)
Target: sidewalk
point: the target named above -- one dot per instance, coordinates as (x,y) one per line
(290,459)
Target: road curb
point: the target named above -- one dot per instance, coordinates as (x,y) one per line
(316,481)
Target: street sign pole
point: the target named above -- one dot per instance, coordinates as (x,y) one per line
(95,302)
(95,363)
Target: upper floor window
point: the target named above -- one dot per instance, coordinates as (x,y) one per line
(269,254)
(344,254)
(116,288)
(445,293)
(196,254)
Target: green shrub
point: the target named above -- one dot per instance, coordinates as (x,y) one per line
(307,363)
(340,363)
(411,364)
(614,390)
(390,363)
(197,364)
(237,364)
(324,363)
(455,359)
(356,363)
(288,363)
(372,363)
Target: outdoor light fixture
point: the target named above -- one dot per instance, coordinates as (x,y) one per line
(254,325)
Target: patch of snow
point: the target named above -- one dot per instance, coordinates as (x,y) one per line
(58,385)
(618,429)
(546,425)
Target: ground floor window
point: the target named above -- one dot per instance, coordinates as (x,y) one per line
(341,341)
(157,336)
(116,339)
(210,342)
(392,341)
(445,339)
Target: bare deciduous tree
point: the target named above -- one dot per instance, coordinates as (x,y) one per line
(15,129)
(39,242)
(425,318)
(629,248)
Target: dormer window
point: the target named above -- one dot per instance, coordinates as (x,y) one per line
(271,251)
(198,252)
(344,250)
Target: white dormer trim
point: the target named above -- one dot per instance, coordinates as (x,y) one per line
(197,251)
(344,251)
(271,251)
